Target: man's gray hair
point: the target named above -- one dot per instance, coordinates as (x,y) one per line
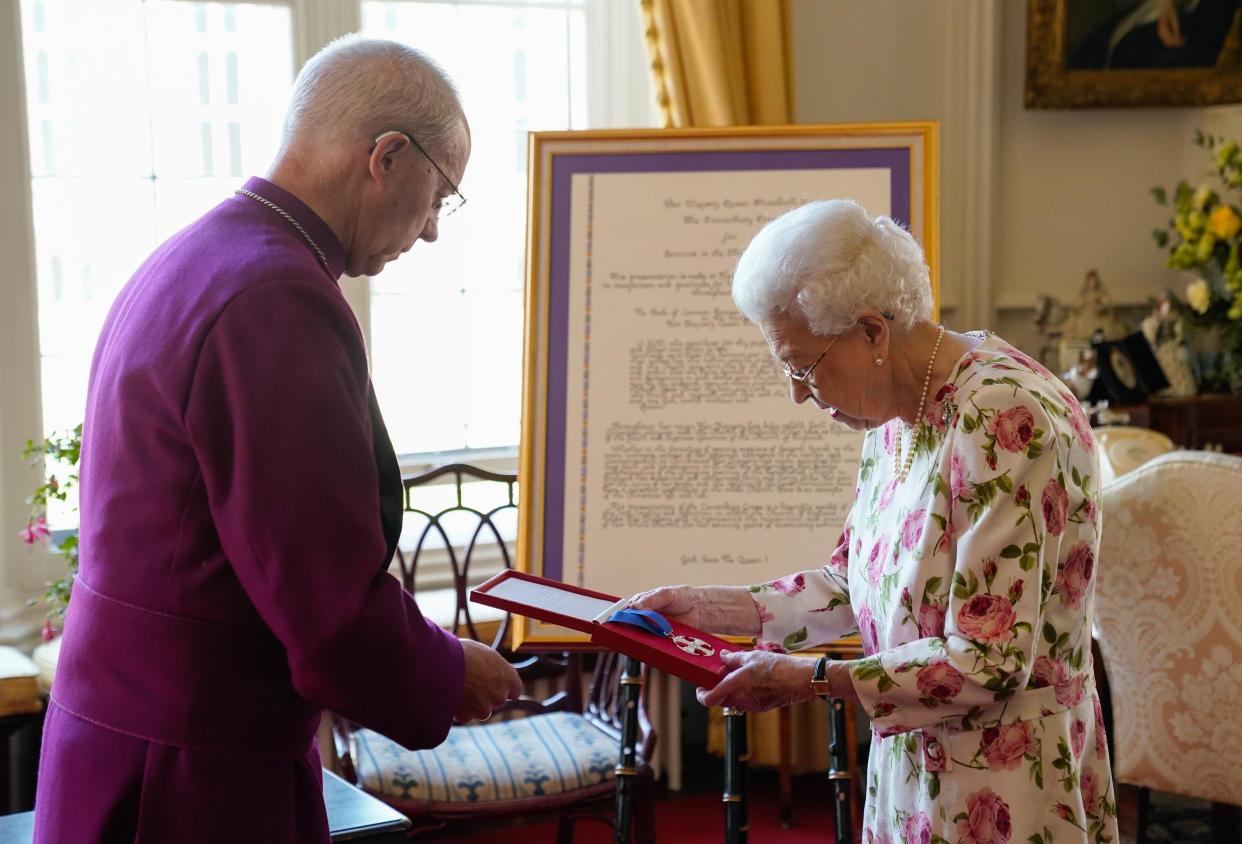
(359,86)
(827,261)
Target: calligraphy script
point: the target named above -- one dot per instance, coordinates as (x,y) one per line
(693,455)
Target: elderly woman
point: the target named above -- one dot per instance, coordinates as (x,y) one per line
(966,561)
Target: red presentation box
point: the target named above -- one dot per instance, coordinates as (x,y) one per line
(687,653)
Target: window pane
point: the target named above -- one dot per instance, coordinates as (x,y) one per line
(446,324)
(129,142)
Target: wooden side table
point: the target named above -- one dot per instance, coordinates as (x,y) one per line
(1193,422)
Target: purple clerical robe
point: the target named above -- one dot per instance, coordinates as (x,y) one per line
(233,551)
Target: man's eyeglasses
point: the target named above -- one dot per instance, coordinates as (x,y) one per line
(447,205)
(802,375)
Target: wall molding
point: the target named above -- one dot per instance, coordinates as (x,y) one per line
(970,141)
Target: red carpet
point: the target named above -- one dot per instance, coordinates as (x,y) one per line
(691,819)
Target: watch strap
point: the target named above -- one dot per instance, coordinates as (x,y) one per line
(820,684)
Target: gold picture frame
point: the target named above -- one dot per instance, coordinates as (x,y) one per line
(1069,43)
(634,350)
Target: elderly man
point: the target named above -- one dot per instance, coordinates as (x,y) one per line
(240,498)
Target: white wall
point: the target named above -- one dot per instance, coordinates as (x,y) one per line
(1071,188)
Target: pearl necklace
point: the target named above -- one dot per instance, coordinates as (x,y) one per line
(903,467)
(323,259)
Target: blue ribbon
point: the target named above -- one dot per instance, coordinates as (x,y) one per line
(650,621)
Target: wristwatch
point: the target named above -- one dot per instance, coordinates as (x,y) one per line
(819,680)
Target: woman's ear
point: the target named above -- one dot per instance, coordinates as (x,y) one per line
(875,326)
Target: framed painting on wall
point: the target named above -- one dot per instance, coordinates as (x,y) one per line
(1098,53)
(659,442)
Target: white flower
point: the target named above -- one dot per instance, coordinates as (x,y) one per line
(1199,295)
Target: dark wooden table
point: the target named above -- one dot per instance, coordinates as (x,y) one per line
(353,815)
(1193,422)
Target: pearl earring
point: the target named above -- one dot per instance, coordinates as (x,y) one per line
(879,361)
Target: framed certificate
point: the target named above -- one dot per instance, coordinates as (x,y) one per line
(659,444)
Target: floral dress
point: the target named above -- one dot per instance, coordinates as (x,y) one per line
(971,586)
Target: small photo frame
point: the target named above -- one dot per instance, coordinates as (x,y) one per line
(1128,372)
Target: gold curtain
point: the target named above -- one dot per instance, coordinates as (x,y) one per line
(721,62)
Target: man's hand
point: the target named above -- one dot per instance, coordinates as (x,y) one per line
(490,681)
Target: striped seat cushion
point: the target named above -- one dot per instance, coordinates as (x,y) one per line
(509,760)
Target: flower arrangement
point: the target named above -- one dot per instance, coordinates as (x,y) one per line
(1203,237)
(58,455)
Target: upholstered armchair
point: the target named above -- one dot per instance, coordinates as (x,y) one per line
(1169,625)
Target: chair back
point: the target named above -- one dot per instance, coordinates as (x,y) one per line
(1168,623)
(464,516)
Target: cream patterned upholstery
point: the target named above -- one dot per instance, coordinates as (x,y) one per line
(534,758)
(1169,623)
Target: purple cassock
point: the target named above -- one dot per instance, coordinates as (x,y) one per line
(240,502)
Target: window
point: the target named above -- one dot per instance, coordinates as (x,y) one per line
(136,132)
(141,116)
(446,321)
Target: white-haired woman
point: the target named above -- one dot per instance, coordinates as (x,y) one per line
(966,561)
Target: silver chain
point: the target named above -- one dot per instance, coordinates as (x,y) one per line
(323,259)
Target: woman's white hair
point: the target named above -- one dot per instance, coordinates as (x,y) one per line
(363,86)
(825,262)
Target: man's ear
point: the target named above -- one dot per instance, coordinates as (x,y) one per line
(383,154)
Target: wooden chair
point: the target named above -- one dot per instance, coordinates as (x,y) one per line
(554,751)
(1167,624)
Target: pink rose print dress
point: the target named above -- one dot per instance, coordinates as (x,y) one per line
(971,584)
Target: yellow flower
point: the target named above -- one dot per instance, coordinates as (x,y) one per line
(1203,249)
(1199,295)
(1224,222)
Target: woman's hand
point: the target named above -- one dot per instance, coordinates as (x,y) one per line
(761,680)
(724,610)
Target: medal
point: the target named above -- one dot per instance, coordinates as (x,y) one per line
(693,645)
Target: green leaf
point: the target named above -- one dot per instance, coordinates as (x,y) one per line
(960,590)
(1050,633)
(1011,552)
(1161,196)
(933,786)
(794,640)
